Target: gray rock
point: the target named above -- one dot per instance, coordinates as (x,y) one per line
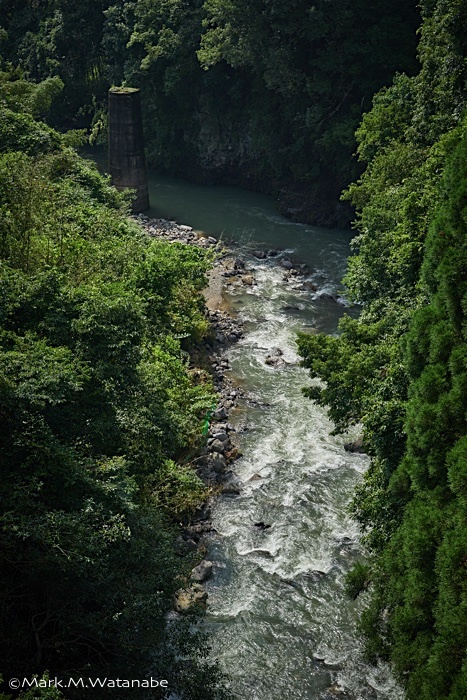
(263,553)
(274,361)
(202,572)
(231,488)
(355,446)
(195,531)
(222,436)
(260,254)
(315,575)
(202,514)
(286,264)
(218,463)
(217,446)
(327,297)
(220,414)
(310,285)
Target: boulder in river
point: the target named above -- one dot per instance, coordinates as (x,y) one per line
(184,546)
(287,264)
(262,526)
(202,572)
(231,488)
(260,254)
(355,446)
(310,285)
(274,361)
(262,553)
(202,514)
(327,297)
(221,435)
(315,574)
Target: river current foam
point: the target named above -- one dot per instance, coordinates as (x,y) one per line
(280,621)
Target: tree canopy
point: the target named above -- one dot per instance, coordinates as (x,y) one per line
(400,370)
(266,94)
(98,406)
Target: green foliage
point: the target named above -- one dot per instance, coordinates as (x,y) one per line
(20,95)
(357,580)
(98,409)
(59,40)
(19,132)
(264,93)
(401,368)
(178,489)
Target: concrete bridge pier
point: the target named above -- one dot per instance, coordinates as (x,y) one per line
(127,162)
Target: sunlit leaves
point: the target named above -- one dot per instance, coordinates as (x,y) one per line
(98,410)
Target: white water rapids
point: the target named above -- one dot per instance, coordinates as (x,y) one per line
(279,617)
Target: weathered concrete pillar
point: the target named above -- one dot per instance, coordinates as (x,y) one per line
(127,163)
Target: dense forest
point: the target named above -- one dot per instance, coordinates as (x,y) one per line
(99,407)
(265,94)
(99,323)
(401,368)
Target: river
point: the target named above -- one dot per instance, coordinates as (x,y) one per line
(280,622)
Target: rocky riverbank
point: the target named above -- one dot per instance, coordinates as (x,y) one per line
(213,461)
(232,269)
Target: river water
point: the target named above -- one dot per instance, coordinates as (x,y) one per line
(280,622)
